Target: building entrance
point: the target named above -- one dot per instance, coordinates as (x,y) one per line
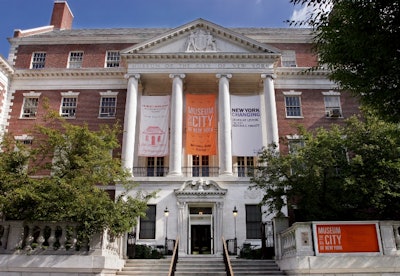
(201,239)
(201,230)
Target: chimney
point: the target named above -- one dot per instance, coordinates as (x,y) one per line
(62,16)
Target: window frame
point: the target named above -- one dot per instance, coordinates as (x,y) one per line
(155,166)
(295,95)
(68,95)
(201,165)
(33,108)
(108,115)
(288,58)
(38,62)
(110,59)
(253,226)
(245,165)
(147,225)
(332,111)
(77,63)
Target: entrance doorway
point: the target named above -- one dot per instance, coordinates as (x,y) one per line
(201,239)
(201,230)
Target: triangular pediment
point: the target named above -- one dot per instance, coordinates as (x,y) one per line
(200,36)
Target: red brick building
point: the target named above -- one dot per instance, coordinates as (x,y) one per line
(252,87)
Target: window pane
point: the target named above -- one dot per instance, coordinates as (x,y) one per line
(29,109)
(68,107)
(148,224)
(108,106)
(253,222)
(38,60)
(112,59)
(293,107)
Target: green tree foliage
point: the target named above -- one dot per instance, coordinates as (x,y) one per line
(359,41)
(349,172)
(60,177)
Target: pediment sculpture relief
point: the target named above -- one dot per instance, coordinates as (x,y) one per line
(201,41)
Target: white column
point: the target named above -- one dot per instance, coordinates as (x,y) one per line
(175,156)
(270,109)
(224,129)
(128,139)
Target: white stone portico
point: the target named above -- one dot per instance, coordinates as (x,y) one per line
(198,58)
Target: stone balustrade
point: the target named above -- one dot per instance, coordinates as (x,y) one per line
(53,238)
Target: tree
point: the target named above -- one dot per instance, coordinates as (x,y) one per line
(359,42)
(59,178)
(349,172)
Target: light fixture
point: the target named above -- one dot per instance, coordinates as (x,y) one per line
(166,212)
(235,211)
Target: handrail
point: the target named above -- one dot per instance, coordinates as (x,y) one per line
(227,260)
(174,259)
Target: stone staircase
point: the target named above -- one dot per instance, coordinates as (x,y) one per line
(246,267)
(200,266)
(145,267)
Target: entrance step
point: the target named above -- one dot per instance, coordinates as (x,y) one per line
(145,267)
(242,267)
(200,266)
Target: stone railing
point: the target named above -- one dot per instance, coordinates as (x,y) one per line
(297,240)
(53,238)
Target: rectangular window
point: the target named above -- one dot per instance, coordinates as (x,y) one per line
(30,107)
(38,60)
(148,224)
(112,59)
(155,166)
(68,107)
(253,222)
(245,165)
(200,165)
(332,106)
(108,106)
(288,58)
(75,60)
(293,106)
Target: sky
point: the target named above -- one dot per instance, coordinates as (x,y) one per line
(89,14)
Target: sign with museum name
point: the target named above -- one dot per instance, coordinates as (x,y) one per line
(144,67)
(346,237)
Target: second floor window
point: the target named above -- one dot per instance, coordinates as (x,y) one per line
(288,58)
(30,107)
(200,165)
(108,104)
(68,107)
(155,166)
(38,60)
(112,59)
(75,60)
(245,165)
(332,104)
(292,104)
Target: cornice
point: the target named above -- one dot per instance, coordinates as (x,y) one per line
(71,73)
(5,67)
(300,71)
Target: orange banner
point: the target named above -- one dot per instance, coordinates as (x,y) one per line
(346,238)
(201,125)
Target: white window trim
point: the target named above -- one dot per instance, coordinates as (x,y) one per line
(69,60)
(295,94)
(30,94)
(106,94)
(106,60)
(69,94)
(33,56)
(337,94)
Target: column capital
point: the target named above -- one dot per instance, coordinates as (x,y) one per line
(228,76)
(136,76)
(268,75)
(181,76)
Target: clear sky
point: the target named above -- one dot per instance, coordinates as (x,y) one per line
(27,14)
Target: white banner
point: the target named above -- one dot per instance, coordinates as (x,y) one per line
(154,122)
(246,125)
